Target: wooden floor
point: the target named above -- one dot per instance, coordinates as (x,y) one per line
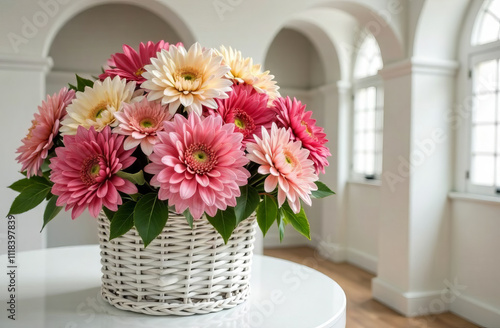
(362,310)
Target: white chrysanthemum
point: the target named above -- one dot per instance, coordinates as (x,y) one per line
(240,67)
(192,78)
(263,82)
(97,106)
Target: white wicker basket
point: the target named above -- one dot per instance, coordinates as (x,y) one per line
(183,271)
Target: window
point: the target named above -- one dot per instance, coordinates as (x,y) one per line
(484,159)
(368,112)
(487,25)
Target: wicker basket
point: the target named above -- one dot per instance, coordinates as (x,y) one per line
(183,271)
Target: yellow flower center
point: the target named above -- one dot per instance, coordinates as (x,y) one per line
(244,122)
(239,123)
(308,129)
(188,74)
(200,158)
(30,131)
(99,113)
(98,110)
(90,169)
(139,72)
(146,123)
(290,159)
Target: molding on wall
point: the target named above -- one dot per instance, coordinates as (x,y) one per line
(362,260)
(409,304)
(23,63)
(476,311)
(62,78)
(474,198)
(337,87)
(343,86)
(420,66)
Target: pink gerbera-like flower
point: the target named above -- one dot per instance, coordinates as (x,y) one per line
(247,109)
(292,114)
(141,122)
(44,128)
(130,64)
(84,171)
(198,164)
(287,164)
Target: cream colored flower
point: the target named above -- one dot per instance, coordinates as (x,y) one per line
(240,67)
(263,82)
(244,71)
(97,106)
(191,78)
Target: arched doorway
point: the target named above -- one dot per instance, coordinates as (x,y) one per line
(296,57)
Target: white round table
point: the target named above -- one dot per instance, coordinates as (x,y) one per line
(60,287)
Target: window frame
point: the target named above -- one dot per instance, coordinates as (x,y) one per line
(478,54)
(375,81)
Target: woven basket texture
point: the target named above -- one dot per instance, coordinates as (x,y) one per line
(183,271)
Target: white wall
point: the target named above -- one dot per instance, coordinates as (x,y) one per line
(363,211)
(475,261)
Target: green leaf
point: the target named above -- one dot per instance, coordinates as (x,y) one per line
(280,221)
(29,198)
(109,213)
(81,83)
(150,217)
(298,221)
(224,222)
(20,185)
(135,197)
(72,87)
(246,203)
(189,217)
(51,210)
(123,220)
(266,213)
(135,178)
(322,192)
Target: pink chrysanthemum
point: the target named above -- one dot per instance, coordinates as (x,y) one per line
(247,109)
(84,171)
(141,122)
(287,164)
(130,64)
(44,128)
(198,164)
(303,127)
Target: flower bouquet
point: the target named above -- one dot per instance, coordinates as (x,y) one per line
(195,141)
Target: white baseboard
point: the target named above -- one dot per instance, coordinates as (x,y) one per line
(273,241)
(476,311)
(409,304)
(331,251)
(363,260)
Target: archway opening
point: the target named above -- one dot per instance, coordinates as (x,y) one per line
(84,43)
(296,62)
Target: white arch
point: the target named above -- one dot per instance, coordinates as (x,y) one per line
(324,46)
(382,19)
(157,8)
(323,27)
(441,42)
